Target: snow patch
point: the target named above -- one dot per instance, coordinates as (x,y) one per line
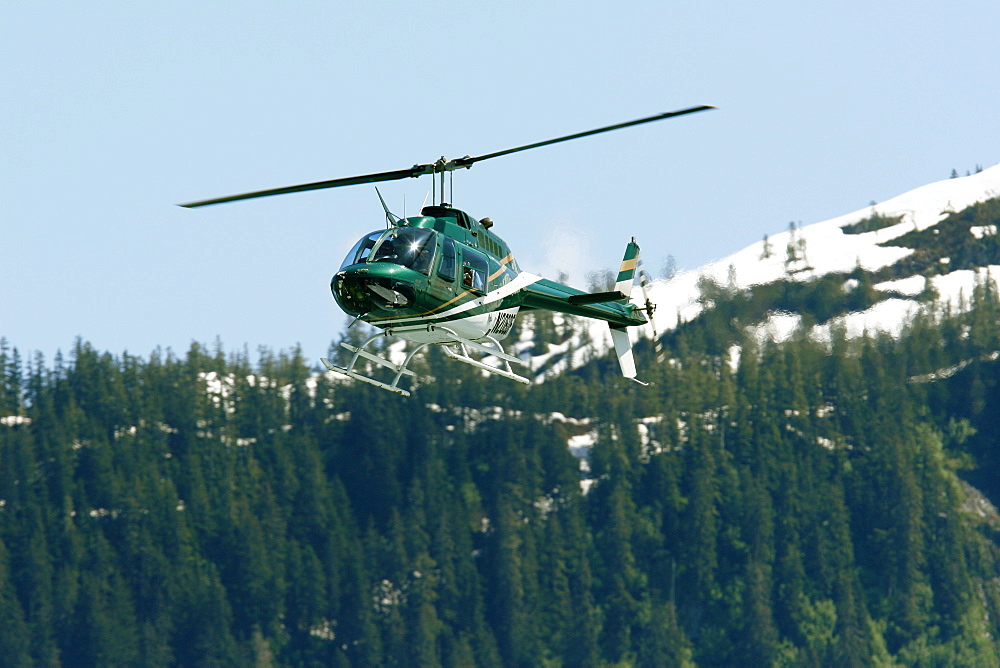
(889,316)
(777,327)
(911,286)
(14,420)
(955,288)
(581,446)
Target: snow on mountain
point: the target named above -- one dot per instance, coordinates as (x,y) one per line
(829,249)
(802,254)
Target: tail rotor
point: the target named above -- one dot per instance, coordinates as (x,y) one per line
(649,308)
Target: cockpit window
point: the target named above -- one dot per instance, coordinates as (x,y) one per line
(362,249)
(411,247)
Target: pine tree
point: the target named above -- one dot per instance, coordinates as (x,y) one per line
(512,567)
(767,251)
(14,631)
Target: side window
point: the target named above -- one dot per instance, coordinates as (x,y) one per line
(474,268)
(446,268)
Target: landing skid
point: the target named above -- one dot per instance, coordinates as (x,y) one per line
(454,346)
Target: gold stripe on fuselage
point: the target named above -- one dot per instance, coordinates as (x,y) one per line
(504,262)
(503,267)
(521,281)
(425,313)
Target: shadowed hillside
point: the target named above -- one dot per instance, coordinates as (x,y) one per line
(799,503)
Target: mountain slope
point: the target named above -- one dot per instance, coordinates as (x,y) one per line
(799,508)
(930,245)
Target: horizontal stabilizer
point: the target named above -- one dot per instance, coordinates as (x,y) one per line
(598,297)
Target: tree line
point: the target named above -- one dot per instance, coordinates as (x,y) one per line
(804,503)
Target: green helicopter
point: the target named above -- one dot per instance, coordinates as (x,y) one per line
(445,278)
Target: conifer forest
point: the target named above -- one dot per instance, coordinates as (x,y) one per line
(806,503)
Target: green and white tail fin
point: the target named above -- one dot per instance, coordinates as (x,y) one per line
(626,275)
(623,349)
(619,335)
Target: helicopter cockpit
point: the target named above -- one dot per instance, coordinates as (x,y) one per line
(411,247)
(386,287)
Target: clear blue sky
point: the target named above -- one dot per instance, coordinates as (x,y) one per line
(113,112)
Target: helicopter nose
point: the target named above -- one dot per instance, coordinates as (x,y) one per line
(391,295)
(349,293)
(358,292)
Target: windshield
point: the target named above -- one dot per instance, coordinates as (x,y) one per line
(411,247)
(361,250)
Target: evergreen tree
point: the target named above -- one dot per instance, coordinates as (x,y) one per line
(14,631)
(804,508)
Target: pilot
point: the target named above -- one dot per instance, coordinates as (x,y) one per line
(467,276)
(386,251)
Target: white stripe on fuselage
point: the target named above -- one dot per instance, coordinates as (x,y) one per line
(521,281)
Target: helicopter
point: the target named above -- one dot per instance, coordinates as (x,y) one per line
(445,278)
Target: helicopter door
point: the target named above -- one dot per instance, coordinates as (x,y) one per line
(446,268)
(474,269)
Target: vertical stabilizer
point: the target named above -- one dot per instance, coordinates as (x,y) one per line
(619,335)
(626,275)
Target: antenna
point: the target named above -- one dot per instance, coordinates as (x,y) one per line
(391,219)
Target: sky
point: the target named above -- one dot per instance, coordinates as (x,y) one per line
(112,113)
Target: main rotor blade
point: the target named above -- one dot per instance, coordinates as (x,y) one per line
(416,170)
(468,162)
(434,168)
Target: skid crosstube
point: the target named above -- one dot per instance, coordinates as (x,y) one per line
(400,370)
